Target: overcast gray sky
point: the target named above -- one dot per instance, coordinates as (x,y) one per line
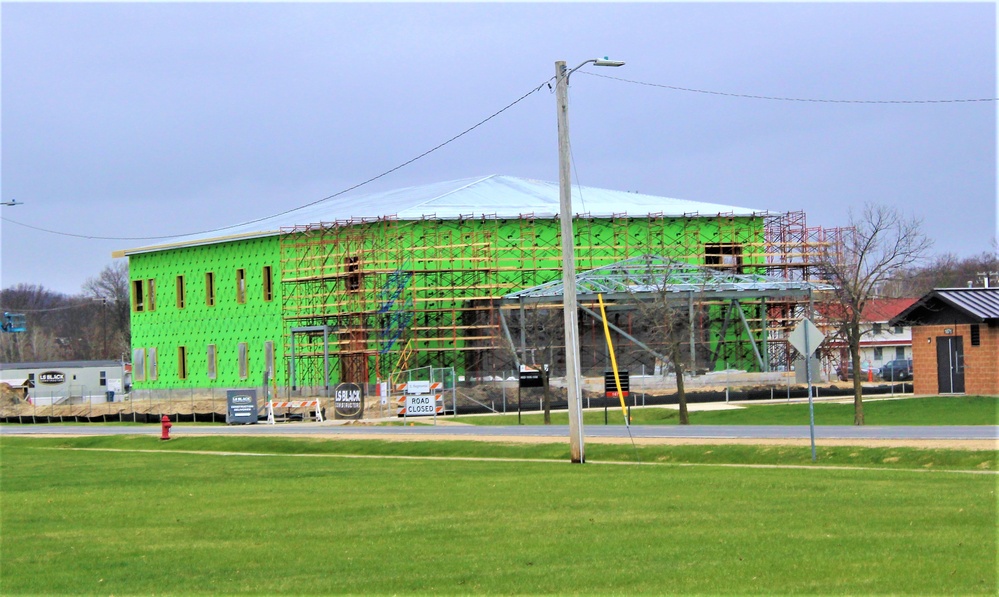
(147,119)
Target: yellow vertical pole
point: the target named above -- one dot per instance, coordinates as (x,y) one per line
(610,349)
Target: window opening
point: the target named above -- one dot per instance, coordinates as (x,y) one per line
(153,368)
(877,328)
(243,364)
(137,302)
(139,364)
(241,286)
(976,335)
(210,288)
(180,292)
(353,273)
(269,358)
(151,294)
(182,362)
(211,362)
(104,378)
(899,352)
(878,353)
(724,256)
(268,284)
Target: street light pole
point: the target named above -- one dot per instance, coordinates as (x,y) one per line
(104,317)
(573,379)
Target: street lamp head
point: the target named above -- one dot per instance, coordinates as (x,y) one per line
(607,62)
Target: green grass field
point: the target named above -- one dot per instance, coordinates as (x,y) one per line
(295,516)
(935,410)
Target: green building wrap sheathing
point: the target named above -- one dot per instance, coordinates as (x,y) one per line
(392,293)
(167,326)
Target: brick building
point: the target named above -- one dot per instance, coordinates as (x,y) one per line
(955,341)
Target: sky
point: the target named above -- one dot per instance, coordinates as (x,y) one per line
(130,120)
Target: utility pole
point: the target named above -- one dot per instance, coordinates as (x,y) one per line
(572,377)
(104,317)
(104,324)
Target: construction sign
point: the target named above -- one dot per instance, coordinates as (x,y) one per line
(610,388)
(420,398)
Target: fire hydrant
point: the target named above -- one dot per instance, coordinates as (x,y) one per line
(165,422)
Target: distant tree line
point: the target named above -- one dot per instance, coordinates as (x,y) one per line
(91,325)
(945,271)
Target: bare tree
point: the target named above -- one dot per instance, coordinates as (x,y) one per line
(665,315)
(539,326)
(109,290)
(661,295)
(882,243)
(544,330)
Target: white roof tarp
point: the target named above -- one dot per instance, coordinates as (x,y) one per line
(495,195)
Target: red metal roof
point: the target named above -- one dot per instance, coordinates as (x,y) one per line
(883,309)
(876,309)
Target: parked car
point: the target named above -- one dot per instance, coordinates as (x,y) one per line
(897,370)
(866,372)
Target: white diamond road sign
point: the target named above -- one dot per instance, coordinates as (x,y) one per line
(806,329)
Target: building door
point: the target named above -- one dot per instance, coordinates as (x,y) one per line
(950,364)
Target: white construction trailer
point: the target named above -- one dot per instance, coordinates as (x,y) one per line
(69,382)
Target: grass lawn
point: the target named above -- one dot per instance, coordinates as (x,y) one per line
(934,410)
(174,522)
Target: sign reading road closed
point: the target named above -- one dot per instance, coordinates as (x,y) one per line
(417,405)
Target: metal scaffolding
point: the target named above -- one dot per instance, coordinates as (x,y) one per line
(397,294)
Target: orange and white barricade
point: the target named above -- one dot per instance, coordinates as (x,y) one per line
(271,405)
(419,398)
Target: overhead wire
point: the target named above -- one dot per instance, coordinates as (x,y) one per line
(472,128)
(76,305)
(294,209)
(789,99)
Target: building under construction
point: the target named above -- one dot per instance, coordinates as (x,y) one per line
(442,275)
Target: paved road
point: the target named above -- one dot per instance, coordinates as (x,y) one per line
(957,433)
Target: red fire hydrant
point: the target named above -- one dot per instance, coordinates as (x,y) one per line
(165,422)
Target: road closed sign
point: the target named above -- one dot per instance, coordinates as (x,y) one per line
(420,405)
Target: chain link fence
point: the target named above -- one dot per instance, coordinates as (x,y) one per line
(495,392)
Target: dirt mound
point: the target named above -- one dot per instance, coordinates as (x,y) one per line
(10,396)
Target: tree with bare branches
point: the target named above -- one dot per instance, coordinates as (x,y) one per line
(882,242)
(668,331)
(110,289)
(666,315)
(531,336)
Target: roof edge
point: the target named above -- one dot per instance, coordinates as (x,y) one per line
(193,243)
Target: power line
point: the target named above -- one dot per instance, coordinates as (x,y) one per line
(48,310)
(791,99)
(300,207)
